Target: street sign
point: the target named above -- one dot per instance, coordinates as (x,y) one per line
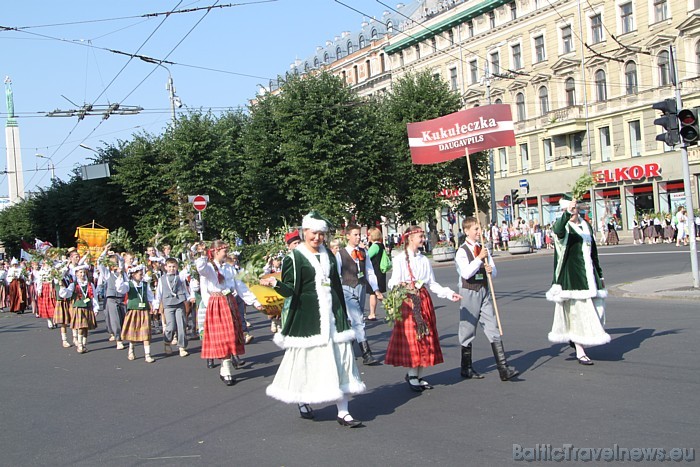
(523,183)
(506,200)
(199,202)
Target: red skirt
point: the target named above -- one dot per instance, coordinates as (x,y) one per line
(223,333)
(46,302)
(18,295)
(404,347)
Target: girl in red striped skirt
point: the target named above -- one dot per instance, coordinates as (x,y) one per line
(139,307)
(414,342)
(223,330)
(84,305)
(46,296)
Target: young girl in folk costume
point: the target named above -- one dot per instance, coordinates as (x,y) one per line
(139,306)
(46,298)
(223,331)
(83,304)
(414,341)
(62,316)
(32,271)
(17,287)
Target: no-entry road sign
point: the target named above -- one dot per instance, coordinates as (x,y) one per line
(199,202)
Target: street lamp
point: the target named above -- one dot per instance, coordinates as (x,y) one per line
(51,166)
(85,146)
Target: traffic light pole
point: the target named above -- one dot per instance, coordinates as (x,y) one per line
(686,184)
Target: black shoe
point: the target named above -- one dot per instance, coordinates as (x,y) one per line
(572,345)
(307,413)
(585,360)
(238,362)
(414,383)
(467,371)
(424,384)
(228,380)
(367,357)
(210,363)
(505,371)
(352,423)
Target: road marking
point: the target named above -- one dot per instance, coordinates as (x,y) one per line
(644,253)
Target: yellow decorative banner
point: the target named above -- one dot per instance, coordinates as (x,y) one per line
(271,301)
(91,238)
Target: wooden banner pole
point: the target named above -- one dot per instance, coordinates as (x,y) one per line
(476,211)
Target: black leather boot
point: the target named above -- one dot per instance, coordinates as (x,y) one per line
(210,363)
(367,358)
(467,370)
(505,372)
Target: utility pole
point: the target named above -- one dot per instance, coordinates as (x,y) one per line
(492,169)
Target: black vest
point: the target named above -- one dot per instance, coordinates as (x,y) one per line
(472,283)
(176,295)
(349,269)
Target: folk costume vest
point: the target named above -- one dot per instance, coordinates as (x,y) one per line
(111,286)
(172,290)
(136,298)
(353,271)
(83,296)
(478,281)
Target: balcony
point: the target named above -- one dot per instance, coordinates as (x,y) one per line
(564,121)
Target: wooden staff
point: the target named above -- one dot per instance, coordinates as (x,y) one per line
(488,274)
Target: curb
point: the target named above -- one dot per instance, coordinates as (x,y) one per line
(618,291)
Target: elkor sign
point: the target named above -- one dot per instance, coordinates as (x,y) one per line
(621,174)
(452,136)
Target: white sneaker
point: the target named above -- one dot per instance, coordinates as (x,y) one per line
(120,345)
(273,327)
(183,352)
(66,344)
(112,338)
(248,338)
(149,359)
(131,355)
(174,341)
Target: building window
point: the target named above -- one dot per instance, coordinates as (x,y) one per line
(495,64)
(451,36)
(361,41)
(492,19)
(355,74)
(697,56)
(453,79)
(350,47)
(382,63)
(368,68)
(338,52)
(401,58)
(373,34)
(513,11)
(344,76)
(597,28)
(539,49)
(605,145)
(576,147)
(389,27)
(660,10)
(524,158)
(567,43)
(417,49)
(470,28)
(326,58)
(503,158)
(517,56)
(316,63)
(520,106)
(543,96)
(635,138)
(631,78)
(601,93)
(548,155)
(433,44)
(306,66)
(498,101)
(664,69)
(570,89)
(626,18)
(473,72)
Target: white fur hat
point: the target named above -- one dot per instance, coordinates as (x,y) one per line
(314,222)
(564,201)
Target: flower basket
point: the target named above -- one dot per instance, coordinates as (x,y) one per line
(519,245)
(443,253)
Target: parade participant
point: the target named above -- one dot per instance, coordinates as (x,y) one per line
(17,287)
(414,340)
(83,305)
(292,239)
(376,254)
(356,272)
(233,260)
(139,306)
(32,279)
(273,266)
(46,297)
(473,264)
(318,364)
(112,276)
(62,314)
(223,331)
(578,290)
(172,292)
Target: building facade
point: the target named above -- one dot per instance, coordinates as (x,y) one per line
(580,77)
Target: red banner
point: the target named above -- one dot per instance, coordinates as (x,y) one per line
(449,137)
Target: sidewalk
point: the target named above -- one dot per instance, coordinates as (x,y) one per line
(671,287)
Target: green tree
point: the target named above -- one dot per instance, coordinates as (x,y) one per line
(16,225)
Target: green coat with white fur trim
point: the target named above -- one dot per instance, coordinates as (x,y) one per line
(577,271)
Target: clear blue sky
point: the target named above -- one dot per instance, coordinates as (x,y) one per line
(260,39)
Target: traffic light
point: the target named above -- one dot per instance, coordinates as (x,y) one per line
(199,225)
(668,121)
(689,125)
(514,197)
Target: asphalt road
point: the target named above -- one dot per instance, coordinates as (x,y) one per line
(61,408)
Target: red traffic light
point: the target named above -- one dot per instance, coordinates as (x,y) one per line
(687,117)
(689,131)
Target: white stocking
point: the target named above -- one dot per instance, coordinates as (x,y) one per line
(579,351)
(342,405)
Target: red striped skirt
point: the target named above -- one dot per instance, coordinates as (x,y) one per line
(223,333)
(46,302)
(83,318)
(137,326)
(18,295)
(62,314)
(404,347)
